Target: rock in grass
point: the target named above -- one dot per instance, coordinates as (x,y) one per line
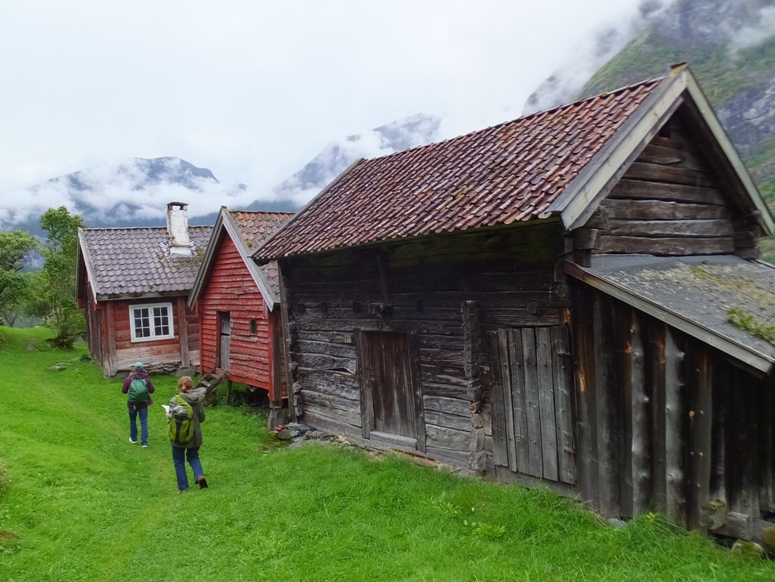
(617,523)
(283,434)
(750,549)
(768,537)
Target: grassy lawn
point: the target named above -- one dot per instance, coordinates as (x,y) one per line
(81,503)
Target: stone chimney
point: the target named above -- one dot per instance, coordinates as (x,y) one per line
(177,229)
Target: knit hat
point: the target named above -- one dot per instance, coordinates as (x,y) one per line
(138,365)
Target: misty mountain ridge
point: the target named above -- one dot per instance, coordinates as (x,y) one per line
(135,192)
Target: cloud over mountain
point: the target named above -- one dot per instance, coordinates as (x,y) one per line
(136,191)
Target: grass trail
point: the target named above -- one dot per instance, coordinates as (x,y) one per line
(87,505)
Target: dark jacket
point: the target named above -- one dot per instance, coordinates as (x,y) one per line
(195,398)
(143,375)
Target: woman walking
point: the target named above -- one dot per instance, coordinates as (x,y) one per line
(138,388)
(185,415)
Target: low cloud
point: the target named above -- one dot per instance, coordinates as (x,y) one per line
(755,34)
(591,54)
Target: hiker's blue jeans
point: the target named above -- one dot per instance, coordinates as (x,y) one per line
(179,456)
(143,414)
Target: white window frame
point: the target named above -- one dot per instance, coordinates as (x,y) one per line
(153,336)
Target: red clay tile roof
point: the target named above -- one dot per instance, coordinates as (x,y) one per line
(255,228)
(137,260)
(506,173)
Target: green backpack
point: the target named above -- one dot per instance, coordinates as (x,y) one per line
(181,425)
(138,391)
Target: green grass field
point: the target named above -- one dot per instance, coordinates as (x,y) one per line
(78,502)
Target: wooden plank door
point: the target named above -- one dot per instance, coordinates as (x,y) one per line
(388,394)
(224,336)
(533,424)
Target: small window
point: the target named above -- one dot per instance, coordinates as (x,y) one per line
(151,322)
(252,326)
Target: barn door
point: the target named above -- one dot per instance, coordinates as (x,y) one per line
(388,396)
(224,335)
(532,408)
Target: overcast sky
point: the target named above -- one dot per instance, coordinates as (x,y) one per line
(255,89)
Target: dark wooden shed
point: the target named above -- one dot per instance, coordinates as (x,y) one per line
(469,301)
(238,304)
(132,284)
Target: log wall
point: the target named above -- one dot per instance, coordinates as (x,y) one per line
(666,423)
(445,294)
(671,201)
(231,288)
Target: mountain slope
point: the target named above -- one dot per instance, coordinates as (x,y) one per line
(730,47)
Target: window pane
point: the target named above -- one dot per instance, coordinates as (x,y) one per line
(161,324)
(142,322)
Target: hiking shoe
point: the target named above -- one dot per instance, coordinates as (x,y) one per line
(145,446)
(134,442)
(202,482)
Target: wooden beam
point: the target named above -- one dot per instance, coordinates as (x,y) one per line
(545,383)
(563,404)
(666,245)
(532,403)
(507,375)
(295,402)
(585,382)
(607,433)
(657,374)
(365,381)
(111,335)
(417,391)
(185,360)
(700,368)
(500,444)
(675,435)
(642,486)
(628,209)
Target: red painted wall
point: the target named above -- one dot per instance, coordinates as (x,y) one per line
(231,288)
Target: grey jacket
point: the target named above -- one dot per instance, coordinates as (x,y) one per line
(195,398)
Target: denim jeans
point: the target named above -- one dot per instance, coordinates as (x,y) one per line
(143,414)
(179,456)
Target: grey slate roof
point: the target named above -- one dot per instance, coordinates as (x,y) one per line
(123,261)
(698,290)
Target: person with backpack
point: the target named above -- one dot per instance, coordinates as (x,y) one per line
(138,388)
(185,415)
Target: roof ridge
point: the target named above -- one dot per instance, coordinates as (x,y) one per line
(89,228)
(261,212)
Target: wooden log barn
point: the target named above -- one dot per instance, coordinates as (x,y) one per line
(238,306)
(132,284)
(547,300)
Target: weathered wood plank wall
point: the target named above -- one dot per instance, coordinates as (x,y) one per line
(665,422)
(447,292)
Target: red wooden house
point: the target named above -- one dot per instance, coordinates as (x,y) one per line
(238,304)
(132,284)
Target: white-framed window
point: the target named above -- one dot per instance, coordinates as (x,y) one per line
(151,321)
